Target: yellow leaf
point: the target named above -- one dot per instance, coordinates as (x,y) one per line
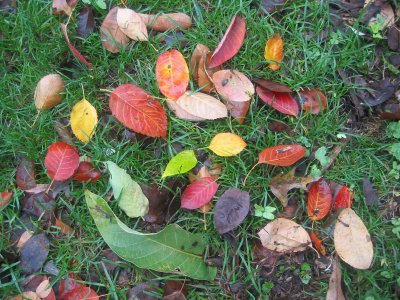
(83,120)
(274,51)
(227,144)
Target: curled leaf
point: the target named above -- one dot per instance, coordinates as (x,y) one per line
(194,64)
(130,23)
(164,22)
(319,200)
(205,73)
(199,193)
(61,161)
(317,243)
(274,51)
(83,120)
(48,92)
(227,144)
(181,163)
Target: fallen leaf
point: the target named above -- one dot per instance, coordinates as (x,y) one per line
(276,126)
(48,92)
(34,253)
(86,172)
(205,73)
(83,120)
(281,184)
(393,37)
(172,74)
(24,238)
(273,86)
(312,100)
(144,291)
(40,205)
(199,193)
(27,296)
(380,92)
(164,22)
(69,289)
(65,229)
(265,257)
(194,64)
(26,174)
(343,198)
(86,22)
(171,250)
(63,132)
(112,36)
(227,144)
(181,163)
(317,243)
(45,291)
(282,155)
(130,23)
(63,6)
(231,209)
(282,102)
(283,235)
(180,112)
(352,241)
(274,51)
(319,200)
(371,198)
(174,290)
(271,6)
(74,51)
(391,112)
(61,161)
(335,291)
(128,193)
(138,111)
(231,42)
(37,189)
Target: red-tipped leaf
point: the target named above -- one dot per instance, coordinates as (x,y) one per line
(86,172)
(319,200)
(343,198)
(282,155)
(282,102)
(61,161)
(199,193)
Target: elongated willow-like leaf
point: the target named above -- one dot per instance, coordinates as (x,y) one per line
(172,250)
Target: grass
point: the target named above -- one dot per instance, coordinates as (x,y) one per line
(33,46)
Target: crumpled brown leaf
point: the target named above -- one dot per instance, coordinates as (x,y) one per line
(335,291)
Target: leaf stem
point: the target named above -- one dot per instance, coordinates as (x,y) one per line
(251,170)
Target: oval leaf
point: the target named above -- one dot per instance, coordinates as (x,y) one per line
(172,74)
(283,235)
(5,197)
(343,198)
(282,155)
(83,120)
(112,36)
(61,161)
(274,51)
(282,102)
(180,112)
(227,144)
(138,111)
(231,42)
(312,100)
(319,200)
(130,23)
(199,193)
(48,91)
(86,172)
(181,163)
(273,86)
(231,209)
(26,174)
(352,240)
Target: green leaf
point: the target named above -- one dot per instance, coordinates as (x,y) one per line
(181,163)
(395,150)
(315,172)
(128,193)
(101,3)
(172,250)
(320,154)
(393,130)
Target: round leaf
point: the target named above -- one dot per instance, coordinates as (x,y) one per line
(199,193)
(282,155)
(181,163)
(61,161)
(83,120)
(227,144)
(48,91)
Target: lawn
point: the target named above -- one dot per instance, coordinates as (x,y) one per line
(32,45)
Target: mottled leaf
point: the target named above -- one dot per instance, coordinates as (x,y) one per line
(312,100)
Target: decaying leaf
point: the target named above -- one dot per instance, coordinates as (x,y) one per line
(181,163)
(317,243)
(227,144)
(26,174)
(283,235)
(130,23)
(174,290)
(231,209)
(312,100)
(274,51)
(282,102)
(86,22)
(276,126)
(34,253)
(281,155)
(128,193)
(319,200)
(199,193)
(164,22)
(370,195)
(48,92)
(61,161)
(352,240)
(335,291)
(65,229)
(112,37)
(83,120)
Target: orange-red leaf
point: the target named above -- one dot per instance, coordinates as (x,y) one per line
(172,74)
(282,102)
(312,100)
(343,198)
(69,289)
(317,243)
(274,51)
(230,43)
(86,172)
(5,198)
(199,193)
(138,111)
(282,155)
(273,86)
(319,200)
(61,161)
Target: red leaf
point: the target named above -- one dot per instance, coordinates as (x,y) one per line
(26,174)
(5,198)
(199,193)
(273,86)
(61,161)
(230,43)
(317,243)
(282,102)
(282,155)
(343,198)
(172,74)
(138,111)
(312,100)
(72,290)
(73,49)
(319,200)
(86,172)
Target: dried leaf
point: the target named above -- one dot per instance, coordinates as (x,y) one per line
(335,291)
(40,205)
(393,37)
(86,22)
(181,163)
(65,229)
(392,112)
(227,144)
(63,6)
(274,51)
(48,92)
(371,198)
(83,120)
(194,64)
(61,161)
(205,73)
(24,238)
(74,51)
(231,209)
(131,24)
(164,22)
(282,155)
(34,253)
(63,131)
(276,126)
(180,112)
(282,102)
(26,174)
(199,193)
(112,36)
(174,290)
(319,200)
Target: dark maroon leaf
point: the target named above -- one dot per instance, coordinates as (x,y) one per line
(270,6)
(395,60)
(392,112)
(158,203)
(276,126)
(143,291)
(383,90)
(174,290)
(40,204)
(34,253)
(26,174)
(86,172)
(371,198)
(60,187)
(86,22)
(215,261)
(32,282)
(394,38)
(231,209)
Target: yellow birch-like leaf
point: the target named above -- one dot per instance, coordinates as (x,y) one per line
(274,51)
(227,144)
(83,120)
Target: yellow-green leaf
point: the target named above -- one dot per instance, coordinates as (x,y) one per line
(227,144)
(181,163)
(83,120)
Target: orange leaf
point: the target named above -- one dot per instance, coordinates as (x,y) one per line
(274,51)
(319,200)
(317,243)
(282,155)
(172,74)
(204,74)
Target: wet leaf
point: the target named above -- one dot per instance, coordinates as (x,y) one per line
(5,197)
(371,198)
(273,86)
(83,120)
(48,92)
(26,174)
(282,155)
(317,243)
(199,193)
(283,235)
(181,163)
(171,250)
(335,291)
(227,144)
(128,193)
(164,22)
(61,161)
(74,51)
(86,22)
(231,42)
(86,172)
(69,289)
(312,100)
(231,209)
(282,102)
(138,111)
(112,36)
(130,23)
(34,253)
(274,51)
(172,74)
(319,200)
(352,240)
(343,198)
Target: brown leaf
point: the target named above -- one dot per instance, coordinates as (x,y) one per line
(174,290)
(131,24)
(371,198)
(48,92)
(26,174)
(204,74)
(63,6)
(392,112)
(65,229)
(276,126)
(281,184)
(34,253)
(270,6)
(40,205)
(24,238)
(198,53)
(112,36)
(335,291)
(159,199)
(86,22)
(164,22)
(63,132)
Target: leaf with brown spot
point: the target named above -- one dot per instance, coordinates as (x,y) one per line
(273,86)
(319,200)
(274,51)
(112,36)
(335,291)
(26,174)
